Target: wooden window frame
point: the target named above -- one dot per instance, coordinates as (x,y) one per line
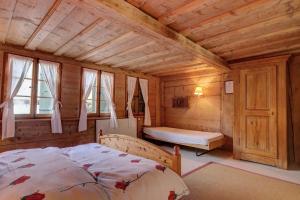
(98,96)
(113,97)
(34,84)
(139,114)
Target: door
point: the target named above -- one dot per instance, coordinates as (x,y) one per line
(258,114)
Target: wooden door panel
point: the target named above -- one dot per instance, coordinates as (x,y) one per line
(259,139)
(257,90)
(258,112)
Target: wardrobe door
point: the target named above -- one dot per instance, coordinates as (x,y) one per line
(258,114)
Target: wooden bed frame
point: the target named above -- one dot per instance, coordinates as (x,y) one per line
(144,149)
(211,146)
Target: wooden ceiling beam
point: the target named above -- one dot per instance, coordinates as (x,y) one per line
(7,11)
(62,49)
(56,14)
(142,23)
(94,51)
(137,3)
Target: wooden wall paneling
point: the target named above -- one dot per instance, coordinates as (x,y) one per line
(70,91)
(120,94)
(227,112)
(282,114)
(158,95)
(40,135)
(152,100)
(1,73)
(193,117)
(294,73)
(162,102)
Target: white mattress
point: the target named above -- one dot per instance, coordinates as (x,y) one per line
(176,135)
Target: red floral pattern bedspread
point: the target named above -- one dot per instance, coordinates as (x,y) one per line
(86,171)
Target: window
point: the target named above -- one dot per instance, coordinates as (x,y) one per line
(34,97)
(97,101)
(138,105)
(22,100)
(89,89)
(104,101)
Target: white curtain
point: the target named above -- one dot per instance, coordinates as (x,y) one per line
(144,88)
(17,70)
(50,71)
(131,82)
(108,85)
(88,80)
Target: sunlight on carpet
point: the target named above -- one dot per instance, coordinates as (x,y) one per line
(217,181)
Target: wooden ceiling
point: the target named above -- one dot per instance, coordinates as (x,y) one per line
(232,29)
(158,37)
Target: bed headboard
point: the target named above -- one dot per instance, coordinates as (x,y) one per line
(123,127)
(144,149)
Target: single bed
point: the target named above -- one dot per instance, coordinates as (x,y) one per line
(197,139)
(97,171)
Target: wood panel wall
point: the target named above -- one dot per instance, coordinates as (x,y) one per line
(211,112)
(37,132)
(294,94)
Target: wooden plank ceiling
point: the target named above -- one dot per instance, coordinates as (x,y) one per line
(232,29)
(158,37)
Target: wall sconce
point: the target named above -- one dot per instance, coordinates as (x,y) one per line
(198,91)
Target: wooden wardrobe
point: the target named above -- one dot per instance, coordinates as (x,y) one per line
(260,130)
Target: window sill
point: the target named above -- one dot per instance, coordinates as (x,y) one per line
(63,119)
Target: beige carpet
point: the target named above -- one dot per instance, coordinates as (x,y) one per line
(219,182)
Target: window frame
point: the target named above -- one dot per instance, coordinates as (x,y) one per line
(113,97)
(98,96)
(34,85)
(137,85)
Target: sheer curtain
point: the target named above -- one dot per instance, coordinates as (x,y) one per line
(88,80)
(50,71)
(17,70)
(108,85)
(131,82)
(144,88)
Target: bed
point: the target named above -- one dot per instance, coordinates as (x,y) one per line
(197,139)
(99,171)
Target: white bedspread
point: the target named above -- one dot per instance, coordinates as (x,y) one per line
(89,171)
(176,135)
